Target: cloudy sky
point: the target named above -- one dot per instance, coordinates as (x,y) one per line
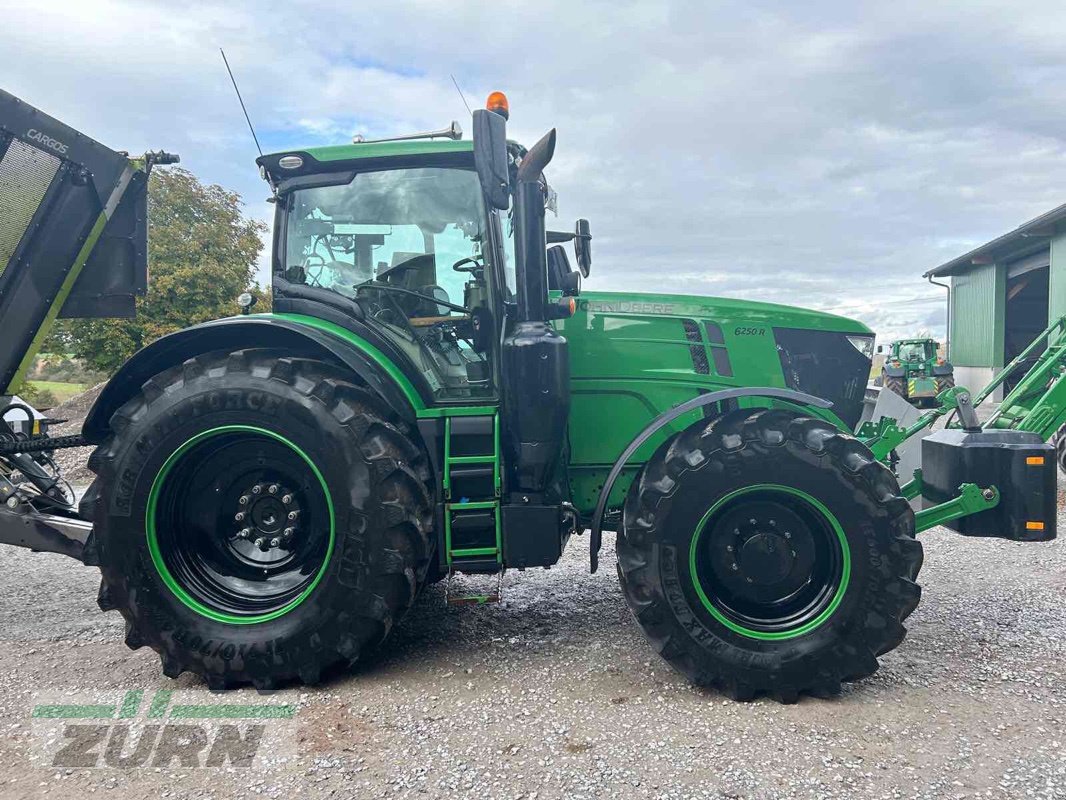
(820,153)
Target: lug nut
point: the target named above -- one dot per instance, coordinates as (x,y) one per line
(257,489)
(244,500)
(288,532)
(788,534)
(244,533)
(734,568)
(275,542)
(729,548)
(261,543)
(239,516)
(273,488)
(293,514)
(286,499)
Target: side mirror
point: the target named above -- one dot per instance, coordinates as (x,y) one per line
(583,247)
(490,157)
(571,284)
(561,276)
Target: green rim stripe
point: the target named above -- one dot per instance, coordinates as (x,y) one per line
(777,635)
(153,543)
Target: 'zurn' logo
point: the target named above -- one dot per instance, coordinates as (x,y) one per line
(159,733)
(47,141)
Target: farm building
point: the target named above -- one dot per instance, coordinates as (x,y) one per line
(1002,294)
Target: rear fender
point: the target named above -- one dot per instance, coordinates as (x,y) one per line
(235,333)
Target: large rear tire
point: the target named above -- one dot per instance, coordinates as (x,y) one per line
(897,385)
(258,518)
(1059,440)
(768,552)
(945,382)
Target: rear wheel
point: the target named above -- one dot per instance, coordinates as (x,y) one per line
(258,518)
(897,385)
(1059,440)
(769,553)
(945,382)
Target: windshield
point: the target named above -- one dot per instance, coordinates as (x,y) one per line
(409,245)
(914,351)
(385,224)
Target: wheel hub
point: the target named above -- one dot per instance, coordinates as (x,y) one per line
(766,558)
(267,518)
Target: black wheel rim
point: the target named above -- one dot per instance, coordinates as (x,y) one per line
(240,524)
(770,562)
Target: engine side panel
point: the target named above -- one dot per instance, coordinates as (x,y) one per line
(634,356)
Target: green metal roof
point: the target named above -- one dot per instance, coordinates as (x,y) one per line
(413,147)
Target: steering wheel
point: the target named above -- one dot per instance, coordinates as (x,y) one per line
(458,265)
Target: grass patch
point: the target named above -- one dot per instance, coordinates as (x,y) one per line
(61,391)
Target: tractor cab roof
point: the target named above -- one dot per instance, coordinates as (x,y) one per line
(286,164)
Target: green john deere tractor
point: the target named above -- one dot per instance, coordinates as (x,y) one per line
(915,371)
(433,393)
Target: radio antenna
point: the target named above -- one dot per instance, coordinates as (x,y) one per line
(241,101)
(461,95)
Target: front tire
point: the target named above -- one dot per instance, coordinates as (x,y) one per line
(768,552)
(258,518)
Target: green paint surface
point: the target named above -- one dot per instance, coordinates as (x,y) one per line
(775,635)
(153,544)
(414,147)
(630,360)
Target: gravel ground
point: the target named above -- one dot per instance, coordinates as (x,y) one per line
(555,693)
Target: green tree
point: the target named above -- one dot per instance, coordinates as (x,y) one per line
(202,253)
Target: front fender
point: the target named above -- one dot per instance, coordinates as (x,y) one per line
(308,336)
(596,532)
(895,372)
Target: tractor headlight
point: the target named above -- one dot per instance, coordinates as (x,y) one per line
(864,344)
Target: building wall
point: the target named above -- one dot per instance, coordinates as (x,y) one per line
(1057,277)
(977,307)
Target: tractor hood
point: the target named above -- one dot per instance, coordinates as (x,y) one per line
(721,308)
(640,353)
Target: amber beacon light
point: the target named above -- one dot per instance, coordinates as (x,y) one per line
(498,102)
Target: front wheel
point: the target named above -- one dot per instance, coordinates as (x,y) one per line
(768,552)
(258,518)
